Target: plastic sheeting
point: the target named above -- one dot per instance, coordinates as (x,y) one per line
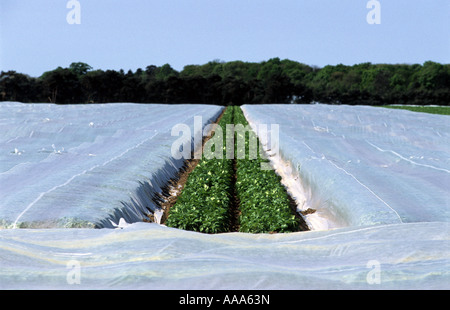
(87,165)
(343,158)
(359,165)
(149,256)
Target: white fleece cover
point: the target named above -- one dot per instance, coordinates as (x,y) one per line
(72,166)
(380,177)
(360,165)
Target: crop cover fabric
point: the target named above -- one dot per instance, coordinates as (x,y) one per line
(362,165)
(149,256)
(87,165)
(375,250)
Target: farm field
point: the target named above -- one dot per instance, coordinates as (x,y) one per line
(377,180)
(425,109)
(261,201)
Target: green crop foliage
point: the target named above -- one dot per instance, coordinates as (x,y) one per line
(264,202)
(204,204)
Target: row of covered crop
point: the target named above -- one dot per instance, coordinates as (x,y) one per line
(205,203)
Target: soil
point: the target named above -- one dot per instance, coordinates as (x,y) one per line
(175,187)
(308,211)
(302,224)
(234,206)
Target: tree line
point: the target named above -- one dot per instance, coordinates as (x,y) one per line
(237,83)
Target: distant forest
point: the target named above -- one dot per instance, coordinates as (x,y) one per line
(237,83)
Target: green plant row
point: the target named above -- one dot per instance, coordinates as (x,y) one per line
(203,205)
(264,202)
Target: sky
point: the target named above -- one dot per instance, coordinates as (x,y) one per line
(35,35)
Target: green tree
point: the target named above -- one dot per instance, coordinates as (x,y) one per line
(431,84)
(376,83)
(133,89)
(325,83)
(80,68)
(18,87)
(190,71)
(104,86)
(165,72)
(61,86)
(433,76)
(240,70)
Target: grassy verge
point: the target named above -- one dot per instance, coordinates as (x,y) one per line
(424,109)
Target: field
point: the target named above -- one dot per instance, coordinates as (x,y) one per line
(233,187)
(424,109)
(85,190)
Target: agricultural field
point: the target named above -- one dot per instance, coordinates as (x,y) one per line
(205,201)
(261,203)
(444,110)
(357,197)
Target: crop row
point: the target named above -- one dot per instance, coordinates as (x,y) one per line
(205,203)
(264,202)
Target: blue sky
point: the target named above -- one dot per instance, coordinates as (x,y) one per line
(129,34)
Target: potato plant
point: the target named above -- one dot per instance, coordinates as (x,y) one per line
(204,203)
(264,202)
